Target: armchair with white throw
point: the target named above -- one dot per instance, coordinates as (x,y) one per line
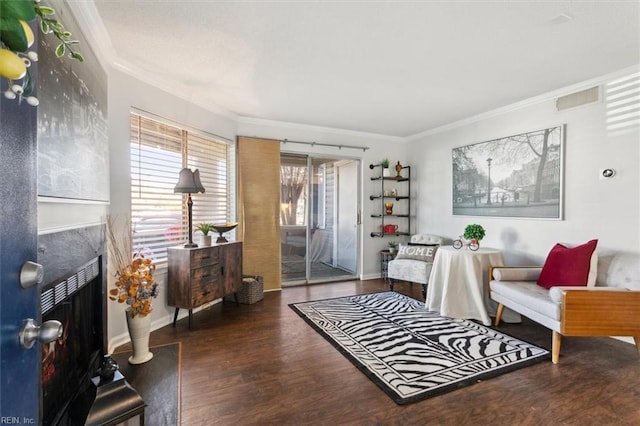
(605,302)
(414,261)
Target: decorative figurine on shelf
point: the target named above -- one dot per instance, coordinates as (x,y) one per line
(398,170)
(390,228)
(388,207)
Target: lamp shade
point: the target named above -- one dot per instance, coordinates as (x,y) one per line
(189,182)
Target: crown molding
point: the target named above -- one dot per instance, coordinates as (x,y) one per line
(94,30)
(329,130)
(92,27)
(176,89)
(526,103)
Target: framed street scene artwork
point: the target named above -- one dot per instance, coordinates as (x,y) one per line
(517,176)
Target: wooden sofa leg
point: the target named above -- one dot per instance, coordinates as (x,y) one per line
(499,312)
(555,347)
(637,340)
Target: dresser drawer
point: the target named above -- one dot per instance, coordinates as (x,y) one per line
(204,275)
(205,283)
(204,257)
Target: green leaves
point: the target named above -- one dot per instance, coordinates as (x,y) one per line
(27,84)
(474,231)
(43,10)
(48,25)
(77,55)
(17,9)
(12,34)
(60,50)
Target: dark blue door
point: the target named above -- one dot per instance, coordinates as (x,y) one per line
(19,368)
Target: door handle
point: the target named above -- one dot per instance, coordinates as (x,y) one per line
(47,332)
(359,217)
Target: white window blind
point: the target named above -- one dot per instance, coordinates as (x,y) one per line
(158,152)
(622,99)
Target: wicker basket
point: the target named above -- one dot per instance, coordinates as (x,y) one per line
(252,290)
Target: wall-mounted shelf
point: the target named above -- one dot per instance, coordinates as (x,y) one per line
(401,197)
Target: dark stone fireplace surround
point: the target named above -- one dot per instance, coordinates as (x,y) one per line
(70,259)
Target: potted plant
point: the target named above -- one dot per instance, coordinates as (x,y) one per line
(205,238)
(385,167)
(392,246)
(474,233)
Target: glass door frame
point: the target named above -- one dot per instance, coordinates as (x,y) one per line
(309,218)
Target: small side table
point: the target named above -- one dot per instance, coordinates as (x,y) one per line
(385,257)
(458,286)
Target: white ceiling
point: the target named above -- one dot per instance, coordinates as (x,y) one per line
(392,68)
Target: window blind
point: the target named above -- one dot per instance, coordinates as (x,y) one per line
(622,98)
(159,151)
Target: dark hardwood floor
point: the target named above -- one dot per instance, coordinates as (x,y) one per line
(262,364)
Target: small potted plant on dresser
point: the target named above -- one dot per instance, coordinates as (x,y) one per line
(205,238)
(392,247)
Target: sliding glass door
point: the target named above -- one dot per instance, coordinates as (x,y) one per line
(318,218)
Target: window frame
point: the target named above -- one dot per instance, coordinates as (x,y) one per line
(152,198)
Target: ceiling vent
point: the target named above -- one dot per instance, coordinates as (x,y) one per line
(576,99)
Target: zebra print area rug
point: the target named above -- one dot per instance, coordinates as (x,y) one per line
(411,353)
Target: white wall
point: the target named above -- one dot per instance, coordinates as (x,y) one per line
(608,210)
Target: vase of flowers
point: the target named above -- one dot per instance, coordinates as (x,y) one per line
(139,329)
(135,287)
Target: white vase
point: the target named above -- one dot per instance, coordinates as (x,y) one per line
(386,172)
(139,330)
(205,240)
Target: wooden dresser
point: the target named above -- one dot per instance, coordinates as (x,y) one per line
(202,274)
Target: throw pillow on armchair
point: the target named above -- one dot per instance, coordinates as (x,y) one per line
(417,252)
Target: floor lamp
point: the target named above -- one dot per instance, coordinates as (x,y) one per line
(189,183)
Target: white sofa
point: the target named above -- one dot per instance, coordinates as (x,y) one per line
(610,308)
(413,271)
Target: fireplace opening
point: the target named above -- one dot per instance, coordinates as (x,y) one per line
(69,363)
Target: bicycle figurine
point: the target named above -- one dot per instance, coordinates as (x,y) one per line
(472,244)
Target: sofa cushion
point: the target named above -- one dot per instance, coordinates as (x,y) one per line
(422,253)
(567,266)
(527,293)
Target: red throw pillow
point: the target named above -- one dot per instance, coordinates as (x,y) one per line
(566,266)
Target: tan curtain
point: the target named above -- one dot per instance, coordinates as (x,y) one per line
(259,208)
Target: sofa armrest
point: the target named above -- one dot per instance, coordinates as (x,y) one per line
(514,273)
(600,312)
